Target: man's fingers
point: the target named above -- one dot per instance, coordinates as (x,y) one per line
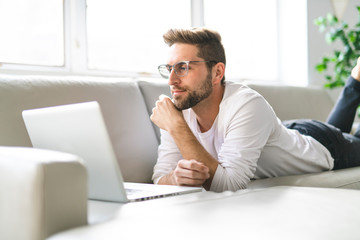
(191,174)
(183,179)
(192,169)
(193,165)
(162,96)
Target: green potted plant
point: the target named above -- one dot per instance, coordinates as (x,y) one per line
(342,60)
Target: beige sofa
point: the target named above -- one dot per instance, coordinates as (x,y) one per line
(44,192)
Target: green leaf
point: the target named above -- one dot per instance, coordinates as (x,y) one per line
(329,38)
(327,85)
(347,53)
(356,42)
(332,20)
(334,84)
(352,36)
(341,57)
(334,59)
(319,21)
(320,67)
(345,25)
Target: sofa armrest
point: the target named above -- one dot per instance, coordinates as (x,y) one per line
(42,192)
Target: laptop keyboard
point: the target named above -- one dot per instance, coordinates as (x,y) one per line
(130,191)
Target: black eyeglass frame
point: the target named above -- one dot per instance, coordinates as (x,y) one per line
(166,74)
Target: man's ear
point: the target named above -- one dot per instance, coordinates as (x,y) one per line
(218,72)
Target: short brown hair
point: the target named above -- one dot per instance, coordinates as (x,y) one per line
(207,41)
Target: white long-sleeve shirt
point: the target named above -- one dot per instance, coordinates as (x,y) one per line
(249,142)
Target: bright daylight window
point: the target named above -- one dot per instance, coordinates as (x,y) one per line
(249,33)
(32,32)
(126,36)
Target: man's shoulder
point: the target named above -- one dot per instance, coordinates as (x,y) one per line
(236,91)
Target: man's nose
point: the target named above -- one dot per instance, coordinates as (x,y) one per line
(173,78)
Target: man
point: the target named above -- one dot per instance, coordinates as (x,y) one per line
(220,135)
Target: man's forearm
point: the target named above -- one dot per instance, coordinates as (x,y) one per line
(167,179)
(190,148)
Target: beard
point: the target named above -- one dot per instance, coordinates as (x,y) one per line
(195,96)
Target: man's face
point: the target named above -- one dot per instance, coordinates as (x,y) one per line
(196,86)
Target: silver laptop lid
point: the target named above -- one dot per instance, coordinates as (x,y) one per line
(77,128)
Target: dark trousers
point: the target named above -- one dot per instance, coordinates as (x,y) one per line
(334,135)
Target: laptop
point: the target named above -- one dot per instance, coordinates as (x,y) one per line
(80,129)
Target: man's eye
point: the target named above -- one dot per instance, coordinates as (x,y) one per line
(181,67)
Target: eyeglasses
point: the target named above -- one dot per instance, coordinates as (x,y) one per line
(181,68)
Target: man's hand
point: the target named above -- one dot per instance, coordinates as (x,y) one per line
(355,73)
(165,114)
(190,173)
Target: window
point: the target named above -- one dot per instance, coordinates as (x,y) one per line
(32,32)
(126,36)
(249,35)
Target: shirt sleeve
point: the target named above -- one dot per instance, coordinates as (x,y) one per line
(247,124)
(168,156)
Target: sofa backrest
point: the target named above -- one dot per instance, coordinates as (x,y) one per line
(291,102)
(151,92)
(122,104)
(126,105)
